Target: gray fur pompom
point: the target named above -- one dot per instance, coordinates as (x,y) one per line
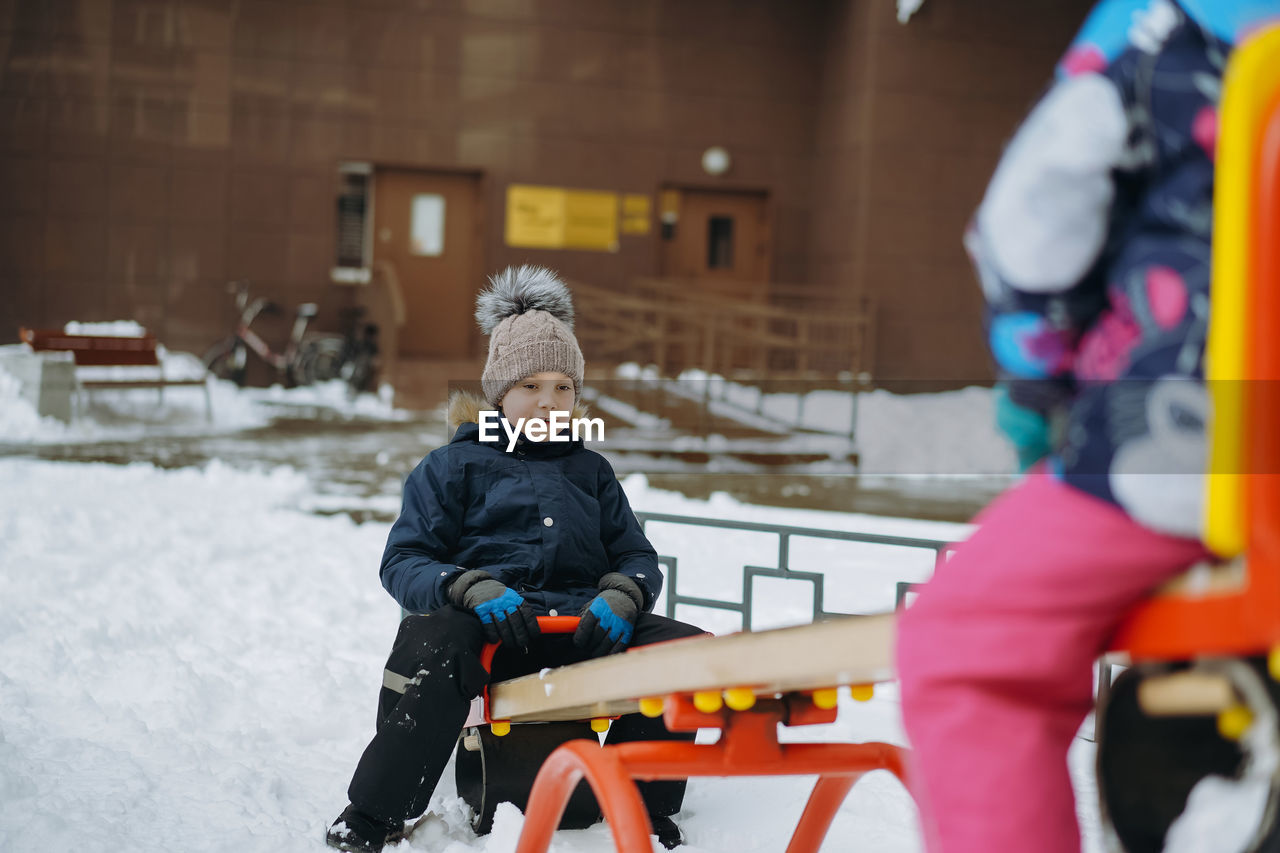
(517,290)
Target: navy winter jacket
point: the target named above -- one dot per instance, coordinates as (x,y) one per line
(547,519)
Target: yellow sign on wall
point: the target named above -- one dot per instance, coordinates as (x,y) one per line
(636,213)
(535,217)
(556,218)
(591,220)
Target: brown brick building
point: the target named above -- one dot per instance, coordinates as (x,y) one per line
(155,149)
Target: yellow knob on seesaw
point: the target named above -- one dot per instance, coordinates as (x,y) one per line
(1273,663)
(862,692)
(500,727)
(708,701)
(600,724)
(1234,722)
(826,698)
(740,698)
(652,706)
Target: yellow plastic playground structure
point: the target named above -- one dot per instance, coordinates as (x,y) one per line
(1201,697)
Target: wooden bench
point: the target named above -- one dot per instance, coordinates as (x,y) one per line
(111,351)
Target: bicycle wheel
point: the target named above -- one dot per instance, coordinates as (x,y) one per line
(319,359)
(228,359)
(359,372)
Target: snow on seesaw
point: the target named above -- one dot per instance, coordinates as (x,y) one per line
(190,662)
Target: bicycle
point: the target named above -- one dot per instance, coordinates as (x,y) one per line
(359,362)
(306,358)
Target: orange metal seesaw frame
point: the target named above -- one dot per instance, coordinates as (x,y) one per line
(748,746)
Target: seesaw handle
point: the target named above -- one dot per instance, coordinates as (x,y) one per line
(558,624)
(546,624)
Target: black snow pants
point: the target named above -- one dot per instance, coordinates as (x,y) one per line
(436,658)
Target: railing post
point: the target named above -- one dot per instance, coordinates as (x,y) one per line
(709,342)
(803,329)
(853,416)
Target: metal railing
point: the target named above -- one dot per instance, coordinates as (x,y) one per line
(783,568)
(680,324)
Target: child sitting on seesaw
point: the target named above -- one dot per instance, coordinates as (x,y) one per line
(492,534)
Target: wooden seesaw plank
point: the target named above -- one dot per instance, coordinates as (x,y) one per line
(848,650)
(1186,693)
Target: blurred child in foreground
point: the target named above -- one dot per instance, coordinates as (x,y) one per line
(1092,247)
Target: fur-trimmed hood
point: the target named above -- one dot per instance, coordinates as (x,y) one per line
(465,408)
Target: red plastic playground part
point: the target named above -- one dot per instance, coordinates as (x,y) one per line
(547,625)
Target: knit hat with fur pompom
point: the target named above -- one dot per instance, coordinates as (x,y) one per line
(527,312)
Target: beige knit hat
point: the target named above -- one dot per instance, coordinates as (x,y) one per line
(527,312)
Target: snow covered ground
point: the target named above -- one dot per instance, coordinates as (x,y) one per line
(902,436)
(189,661)
(190,658)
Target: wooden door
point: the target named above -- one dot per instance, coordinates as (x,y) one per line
(720,237)
(427,225)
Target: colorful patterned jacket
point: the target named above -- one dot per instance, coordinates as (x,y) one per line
(1092,247)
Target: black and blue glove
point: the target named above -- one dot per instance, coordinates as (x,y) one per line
(608,622)
(503,612)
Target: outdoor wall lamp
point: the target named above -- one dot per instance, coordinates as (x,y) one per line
(716,161)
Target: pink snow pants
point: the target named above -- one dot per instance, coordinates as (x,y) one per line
(995,660)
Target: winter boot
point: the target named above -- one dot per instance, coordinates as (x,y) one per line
(358,832)
(669,835)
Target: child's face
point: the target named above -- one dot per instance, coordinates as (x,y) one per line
(536,397)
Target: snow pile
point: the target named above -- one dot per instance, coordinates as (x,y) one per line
(645,498)
(918,435)
(108,329)
(1221,815)
(18,418)
(135,414)
(1225,815)
(332,396)
(947,433)
(907,8)
(187,661)
(624,411)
